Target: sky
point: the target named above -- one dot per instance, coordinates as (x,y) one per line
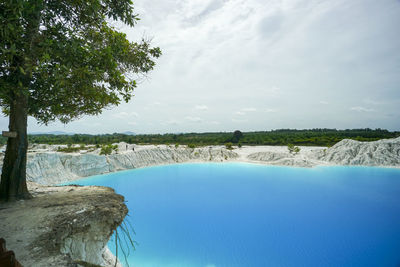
(256,65)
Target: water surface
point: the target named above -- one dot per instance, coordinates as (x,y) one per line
(237,214)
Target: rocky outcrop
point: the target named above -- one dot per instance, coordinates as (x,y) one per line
(384,152)
(282,159)
(56,167)
(63,226)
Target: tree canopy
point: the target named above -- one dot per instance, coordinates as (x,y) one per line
(311,137)
(66,58)
(236,136)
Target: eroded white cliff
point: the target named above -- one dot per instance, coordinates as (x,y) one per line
(384,152)
(45,166)
(56,167)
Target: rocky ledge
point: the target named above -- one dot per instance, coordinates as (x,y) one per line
(63,226)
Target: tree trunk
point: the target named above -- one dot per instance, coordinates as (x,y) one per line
(13,177)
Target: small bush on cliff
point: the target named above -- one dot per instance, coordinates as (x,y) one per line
(68,149)
(106,150)
(293,149)
(229,146)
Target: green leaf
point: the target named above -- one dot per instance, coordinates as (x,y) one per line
(22,70)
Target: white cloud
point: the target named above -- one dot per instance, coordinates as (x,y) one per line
(123,115)
(244,111)
(193,119)
(361,109)
(201,107)
(249,109)
(274,91)
(271,110)
(238,121)
(171,122)
(369,101)
(322,102)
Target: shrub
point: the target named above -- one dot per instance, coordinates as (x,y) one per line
(293,149)
(191,146)
(106,150)
(229,146)
(68,149)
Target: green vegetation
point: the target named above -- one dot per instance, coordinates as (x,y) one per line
(191,146)
(313,137)
(237,135)
(107,149)
(293,149)
(229,146)
(69,149)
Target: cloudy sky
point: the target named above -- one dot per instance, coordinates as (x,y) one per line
(261,65)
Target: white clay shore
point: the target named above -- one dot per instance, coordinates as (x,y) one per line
(48,167)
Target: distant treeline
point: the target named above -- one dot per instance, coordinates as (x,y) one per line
(312,137)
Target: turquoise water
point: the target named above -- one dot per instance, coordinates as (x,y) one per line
(234,214)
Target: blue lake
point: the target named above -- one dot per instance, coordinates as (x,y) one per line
(237,214)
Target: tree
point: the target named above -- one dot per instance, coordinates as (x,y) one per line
(237,135)
(61,60)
